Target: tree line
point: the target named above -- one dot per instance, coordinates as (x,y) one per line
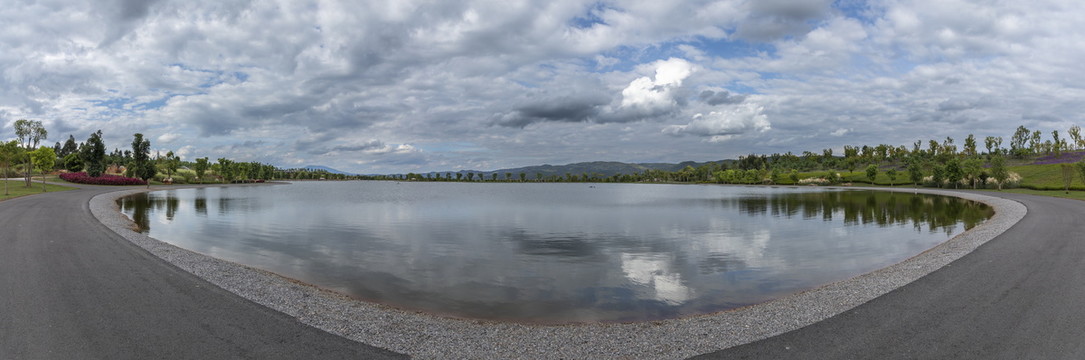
(932,163)
(26,155)
(972,163)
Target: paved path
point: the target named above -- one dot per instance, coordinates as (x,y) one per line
(72,289)
(1019,296)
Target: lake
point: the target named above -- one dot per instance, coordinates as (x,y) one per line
(555,252)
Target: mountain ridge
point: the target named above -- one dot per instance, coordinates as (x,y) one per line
(326,168)
(603,168)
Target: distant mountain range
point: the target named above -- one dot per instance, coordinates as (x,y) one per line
(604,168)
(325,168)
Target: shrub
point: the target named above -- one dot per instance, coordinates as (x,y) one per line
(814,181)
(1013,181)
(83,178)
(184,176)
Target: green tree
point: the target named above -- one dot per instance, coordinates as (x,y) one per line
(93,155)
(1080,166)
(201,167)
(970,145)
(44,158)
(70,147)
(915,172)
(993,143)
(972,168)
(794,176)
(953,172)
(1057,142)
(948,149)
(226,170)
(170,163)
(523,177)
(872,173)
(1017,142)
(938,174)
(493,176)
(1075,136)
(1067,176)
(242,171)
(1034,141)
(998,170)
(9,153)
(142,167)
(892,174)
(73,162)
(30,133)
(851,163)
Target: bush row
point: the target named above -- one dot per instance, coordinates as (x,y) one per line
(105,179)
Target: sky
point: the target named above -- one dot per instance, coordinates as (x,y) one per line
(415,86)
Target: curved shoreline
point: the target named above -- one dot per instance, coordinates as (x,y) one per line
(428,336)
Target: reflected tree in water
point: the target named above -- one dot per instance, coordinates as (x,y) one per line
(924,211)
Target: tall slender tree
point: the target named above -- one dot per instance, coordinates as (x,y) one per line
(1017,142)
(993,143)
(1080,166)
(9,153)
(142,166)
(970,145)
(1075,136)
(30,133)
(1067,176)
(93,155)
(998,170)
(43,159)
(915,172)
(226,169)
(170,164)
(201,167)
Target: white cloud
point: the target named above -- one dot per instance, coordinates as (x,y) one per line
(654,95)
(724,125)
(343,83)
(168,137)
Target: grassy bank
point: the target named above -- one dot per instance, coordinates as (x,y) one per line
(17,188)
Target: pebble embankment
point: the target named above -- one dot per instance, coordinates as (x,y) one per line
(426,336)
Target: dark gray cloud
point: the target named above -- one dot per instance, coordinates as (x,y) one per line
(126,14)
(953,105)
(720,98)
(564,108)
(774,19)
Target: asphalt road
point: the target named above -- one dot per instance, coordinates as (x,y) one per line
(72,289)
(1019,296)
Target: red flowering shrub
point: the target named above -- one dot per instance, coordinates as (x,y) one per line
(83,178)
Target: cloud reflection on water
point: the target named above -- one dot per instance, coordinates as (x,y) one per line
(555,252)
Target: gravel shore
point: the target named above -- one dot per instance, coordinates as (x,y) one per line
(425,336)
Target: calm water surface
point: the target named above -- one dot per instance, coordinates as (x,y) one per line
(555,253)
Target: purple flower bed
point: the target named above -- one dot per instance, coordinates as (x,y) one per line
(1066,157)
(83,178)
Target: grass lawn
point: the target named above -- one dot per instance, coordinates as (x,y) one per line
(17,188)
(1046,177)
(1076,195)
